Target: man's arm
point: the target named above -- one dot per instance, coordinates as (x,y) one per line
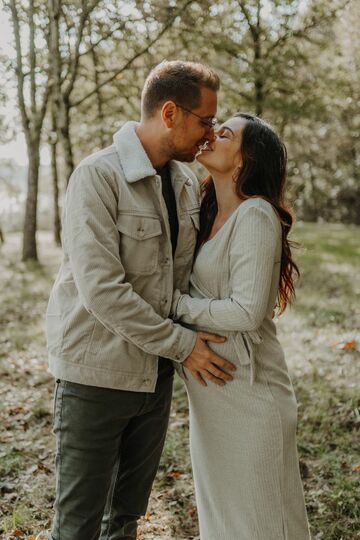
(92,240)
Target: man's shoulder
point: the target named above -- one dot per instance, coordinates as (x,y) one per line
(105,160)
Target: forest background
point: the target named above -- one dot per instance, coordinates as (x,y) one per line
(72,74)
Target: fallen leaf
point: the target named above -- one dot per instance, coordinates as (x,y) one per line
(192,511)
(349,345)
(16,410)
(147,516)
(174,474)
(356,468)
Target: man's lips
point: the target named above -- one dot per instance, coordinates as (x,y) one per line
(205,147)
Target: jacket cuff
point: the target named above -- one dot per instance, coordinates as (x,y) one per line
(175,301)
(185,346)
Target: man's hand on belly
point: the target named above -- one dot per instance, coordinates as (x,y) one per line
(203,363)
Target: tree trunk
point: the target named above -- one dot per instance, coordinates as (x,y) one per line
(55,179)
(29,239)
(60,107)
(259,82)
(99,103)
(64,131)
(259,97)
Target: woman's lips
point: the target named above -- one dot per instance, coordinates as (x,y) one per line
(204,148)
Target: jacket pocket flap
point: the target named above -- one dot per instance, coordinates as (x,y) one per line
(139,227)
(195,218)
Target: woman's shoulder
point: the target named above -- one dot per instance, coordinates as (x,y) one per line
(257,207)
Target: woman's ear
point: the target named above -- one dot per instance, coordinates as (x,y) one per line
(238,163)
(236,173)
(168,113)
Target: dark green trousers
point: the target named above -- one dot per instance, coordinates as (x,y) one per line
(108,448)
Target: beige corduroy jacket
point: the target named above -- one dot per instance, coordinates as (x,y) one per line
(107,318)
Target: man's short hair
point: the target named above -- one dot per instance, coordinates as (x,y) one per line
(178,81)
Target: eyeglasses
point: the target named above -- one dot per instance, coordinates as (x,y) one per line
(207,122)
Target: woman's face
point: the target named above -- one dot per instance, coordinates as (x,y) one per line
(223,155)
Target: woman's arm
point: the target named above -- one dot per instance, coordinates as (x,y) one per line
(252,256)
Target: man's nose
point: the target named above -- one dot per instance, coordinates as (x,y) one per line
(210,135)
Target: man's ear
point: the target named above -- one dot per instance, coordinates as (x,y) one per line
(168,113)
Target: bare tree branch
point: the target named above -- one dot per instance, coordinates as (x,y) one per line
(246,14)
(236,92)
(75,63)
(234,53)
(107,35)
(302,32)
(42,111)
(19,66)
(137,55)
(32,57)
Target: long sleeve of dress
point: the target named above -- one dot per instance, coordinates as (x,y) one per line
(252,254)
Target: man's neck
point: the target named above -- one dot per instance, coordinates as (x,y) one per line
(152,143)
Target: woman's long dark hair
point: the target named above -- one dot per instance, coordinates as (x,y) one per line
(262,174)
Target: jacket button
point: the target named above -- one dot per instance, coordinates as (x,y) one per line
(146,381)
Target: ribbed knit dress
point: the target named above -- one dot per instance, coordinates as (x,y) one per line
(243,434)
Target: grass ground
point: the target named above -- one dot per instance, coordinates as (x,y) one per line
(321,337)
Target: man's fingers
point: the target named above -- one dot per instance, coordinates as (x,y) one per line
(218,373)
(222,363)
(213,379)
(212,337)
(199,378)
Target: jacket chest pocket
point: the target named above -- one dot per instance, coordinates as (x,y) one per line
(139,243)
(190,229)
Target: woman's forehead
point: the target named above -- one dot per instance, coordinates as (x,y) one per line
(236,124)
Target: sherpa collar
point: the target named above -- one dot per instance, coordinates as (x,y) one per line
(135,161)
(133,158)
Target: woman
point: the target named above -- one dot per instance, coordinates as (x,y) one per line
(243,434)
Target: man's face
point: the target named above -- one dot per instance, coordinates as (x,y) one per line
(193,127)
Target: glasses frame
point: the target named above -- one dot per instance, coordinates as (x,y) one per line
(210,124)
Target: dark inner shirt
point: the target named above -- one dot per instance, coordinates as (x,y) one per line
(165,366)
(169,198)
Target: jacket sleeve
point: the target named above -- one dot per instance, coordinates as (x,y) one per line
(91,239)
(251,261)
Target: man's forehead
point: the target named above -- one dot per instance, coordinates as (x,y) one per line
(208,103)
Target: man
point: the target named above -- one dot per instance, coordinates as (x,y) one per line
(129,232)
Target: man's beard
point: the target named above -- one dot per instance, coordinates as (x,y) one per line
(179,155)
(183,156)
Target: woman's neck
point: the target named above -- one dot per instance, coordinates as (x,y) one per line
(226,197)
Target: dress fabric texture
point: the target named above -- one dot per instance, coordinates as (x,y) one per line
(243,434)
